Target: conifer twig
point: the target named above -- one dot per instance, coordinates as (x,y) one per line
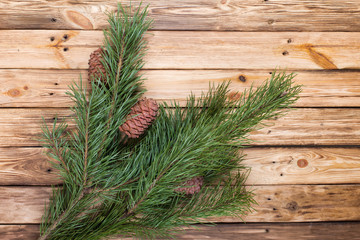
(109,188)
(61,217)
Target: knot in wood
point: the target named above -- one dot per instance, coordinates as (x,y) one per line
(292,206)
(302,163)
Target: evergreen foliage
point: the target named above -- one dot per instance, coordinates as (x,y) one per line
(129,189)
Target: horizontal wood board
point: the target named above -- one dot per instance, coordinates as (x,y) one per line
(47,88)
(70,49)
(215,15)
(276,166)
(303,126)
(256,231)
(288,203)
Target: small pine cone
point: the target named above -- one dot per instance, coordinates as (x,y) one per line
(140,118)
(191,186)
(96,68)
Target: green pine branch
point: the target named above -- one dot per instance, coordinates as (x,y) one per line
(86,156)
(202,139)
(130,189)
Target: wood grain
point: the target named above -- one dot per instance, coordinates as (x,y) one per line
(71,49)
(47,88)
(303,165)
(19,232)
(303,126)
(22,127)
(29,166)
(239,15)
(26,166)
(254,231)
(288,203)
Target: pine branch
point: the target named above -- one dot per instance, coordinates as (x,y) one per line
(54,141)
(199,140)
(90,151)
(111,188)
(60,219)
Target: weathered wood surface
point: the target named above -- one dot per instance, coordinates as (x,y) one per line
(288,203)
(303,165)
(70,49)
(19,232)
(26,166)
(47,88)
(317,39)
(29,166)
(303,126)
(238,15)
(254,231)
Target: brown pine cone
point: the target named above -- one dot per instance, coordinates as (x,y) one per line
(96,68)
(140,118)
(191,186)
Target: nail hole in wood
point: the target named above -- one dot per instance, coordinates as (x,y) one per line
(267,230)
(270,73)
(51,93)
(242,78)
(52,39)
(66,49)
(273,162)
(49,170)
(56,83)
(269,199)
(53,19)
(289,40)
(285,53)
(274,209)
(281,174)
(65,37)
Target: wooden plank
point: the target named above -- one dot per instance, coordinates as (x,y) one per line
(26,166)
(22,127)
(303,126)
(19,232)
(47,88)
(303,165)
(254,231)
(23,204)
(29,166)
(70,49)
(240,15)
(288,203)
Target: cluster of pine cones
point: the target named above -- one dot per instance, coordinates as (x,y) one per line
(141,115)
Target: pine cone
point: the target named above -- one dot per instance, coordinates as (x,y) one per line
(191,186)
(146,111)
(96,68)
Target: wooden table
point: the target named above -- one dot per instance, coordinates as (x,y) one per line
(305,166)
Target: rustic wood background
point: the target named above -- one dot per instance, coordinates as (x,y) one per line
(305,166)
